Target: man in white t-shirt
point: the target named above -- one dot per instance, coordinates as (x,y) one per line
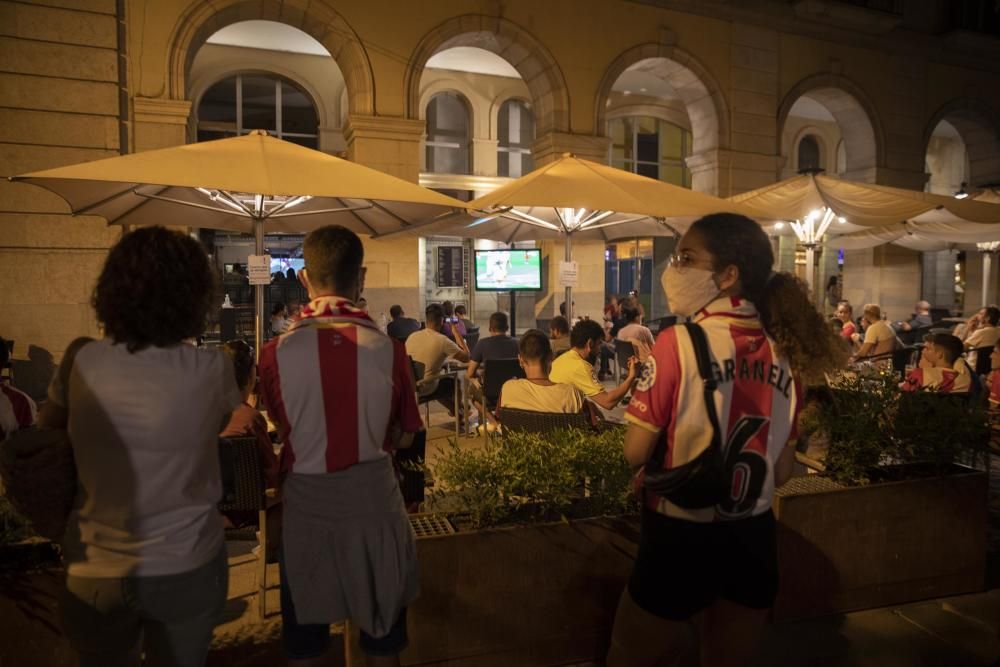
(431,348)
(535,391)
(879,337)
(986,335)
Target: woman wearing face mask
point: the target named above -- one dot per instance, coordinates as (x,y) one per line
(717,565)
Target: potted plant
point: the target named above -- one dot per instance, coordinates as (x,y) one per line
(544,542)
(898,513)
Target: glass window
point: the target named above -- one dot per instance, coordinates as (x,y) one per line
(515,133)
(244,102)
(808,153)
(650,147)
(447,147)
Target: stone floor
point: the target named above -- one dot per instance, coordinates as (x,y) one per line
(950,632)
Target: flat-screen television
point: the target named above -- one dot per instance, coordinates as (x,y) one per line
(284,263)
(505,270)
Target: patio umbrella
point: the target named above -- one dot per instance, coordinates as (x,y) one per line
(868,215)
(252,183)
(574,198)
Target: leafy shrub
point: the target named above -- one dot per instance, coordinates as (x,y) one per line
(869,423)
(13,527)
(531,477)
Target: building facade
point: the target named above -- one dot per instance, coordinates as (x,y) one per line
(719,96)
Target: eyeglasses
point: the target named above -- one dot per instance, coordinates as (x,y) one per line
(684,260)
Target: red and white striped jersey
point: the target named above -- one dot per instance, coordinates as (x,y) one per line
(17,410)
(335,384)
(757,402)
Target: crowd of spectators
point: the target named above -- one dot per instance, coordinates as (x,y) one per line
(146,566)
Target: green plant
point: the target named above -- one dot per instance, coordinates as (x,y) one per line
(13,527)
(526,476)
(869,423)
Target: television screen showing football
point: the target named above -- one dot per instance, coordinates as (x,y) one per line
(504,270)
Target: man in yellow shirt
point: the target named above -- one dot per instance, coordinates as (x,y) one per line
(576,367)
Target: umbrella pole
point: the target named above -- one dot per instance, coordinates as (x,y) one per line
(810,268)
(258,237)
(569,290)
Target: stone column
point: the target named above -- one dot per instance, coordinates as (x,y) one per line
(551,146)
(484,157)
(391,145)
(663,247)
(388,144)
(159,123)
(727,172)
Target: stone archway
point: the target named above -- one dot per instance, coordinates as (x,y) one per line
(534,62)
(706,105)
(860,127)
(314,17)
(979,127)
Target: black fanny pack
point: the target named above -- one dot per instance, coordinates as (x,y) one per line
(701,482)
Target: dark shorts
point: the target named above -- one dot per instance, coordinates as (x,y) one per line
(304,641)
(684,566)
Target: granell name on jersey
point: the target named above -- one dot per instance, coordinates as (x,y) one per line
(758,371)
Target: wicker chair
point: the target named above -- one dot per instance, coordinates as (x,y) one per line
(529,421)
(243,491)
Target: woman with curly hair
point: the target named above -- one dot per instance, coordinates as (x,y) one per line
(145,560)
(716,565)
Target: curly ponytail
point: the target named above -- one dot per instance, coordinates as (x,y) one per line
(789,316)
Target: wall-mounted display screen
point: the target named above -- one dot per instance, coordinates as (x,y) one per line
(505,270)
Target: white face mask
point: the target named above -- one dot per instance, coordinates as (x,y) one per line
(690,290)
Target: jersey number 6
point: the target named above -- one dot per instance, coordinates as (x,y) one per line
(746,468)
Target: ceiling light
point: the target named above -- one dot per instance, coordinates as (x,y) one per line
(779,225)
(962,194)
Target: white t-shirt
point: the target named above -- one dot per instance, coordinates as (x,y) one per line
(881,336)
(636,331)
(523,394)
(144,428)
(432,349)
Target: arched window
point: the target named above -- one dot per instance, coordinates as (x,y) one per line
(651,147)
(244,102)
(515,132)
(447,147)
(809,153)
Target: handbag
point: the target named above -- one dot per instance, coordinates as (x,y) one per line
(701,482)
(38,470)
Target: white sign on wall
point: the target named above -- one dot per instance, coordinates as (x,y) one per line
(569,274)
(259,269)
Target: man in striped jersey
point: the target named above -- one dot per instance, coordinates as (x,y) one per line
(342,395)
(17,410)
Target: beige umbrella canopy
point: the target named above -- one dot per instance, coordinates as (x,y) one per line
(574,198)
(875,214)
(868,215)
(252,183)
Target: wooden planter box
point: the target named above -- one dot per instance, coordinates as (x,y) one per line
(526,595)
(846,548)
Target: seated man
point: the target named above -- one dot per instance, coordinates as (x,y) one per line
(879,337)
(17,410)
(576,367)
(559,335)
(498,345)
(401,326)
(921,318)
(986,335)
(536,391)
(432,348)
(941,368)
